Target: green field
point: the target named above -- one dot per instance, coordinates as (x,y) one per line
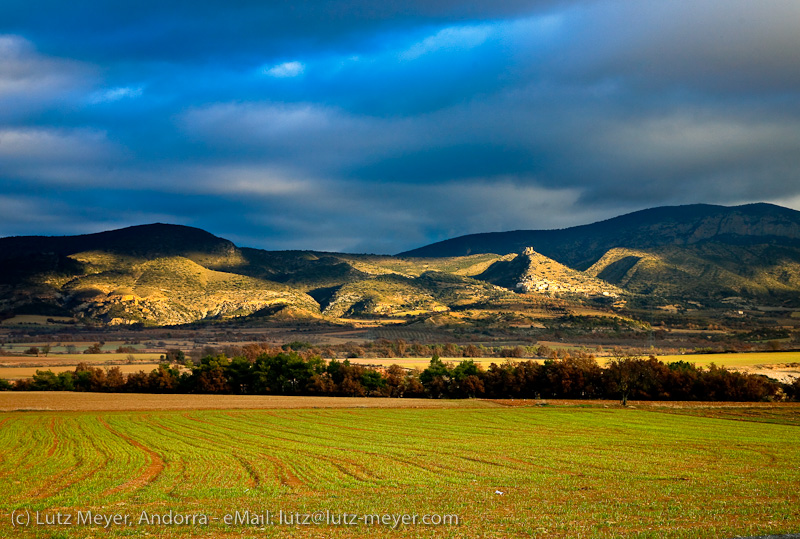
(744,359)
(563,471)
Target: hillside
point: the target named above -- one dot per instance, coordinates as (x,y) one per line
(530,271)
(708,270)
(176,290)
(581,246)
(153,274)
(169,274)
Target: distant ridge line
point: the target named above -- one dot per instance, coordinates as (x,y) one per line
(582,245)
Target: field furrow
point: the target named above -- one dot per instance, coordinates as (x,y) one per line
(147,474)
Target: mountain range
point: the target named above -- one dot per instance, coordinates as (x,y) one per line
(169,274)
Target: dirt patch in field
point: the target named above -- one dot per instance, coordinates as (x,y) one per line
(783,373)
(68,401)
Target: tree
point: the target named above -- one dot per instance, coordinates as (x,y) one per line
(210,375)
(372,381)
(322,384)
(499,381)
(527,379)
(451,350)
(175,356)
(88,378)
(164,379)
(793,389)
(137,382)
(467,380)
(394,380)
(471,351)
(115,380)
(573,377)
(400,347)
(49,381)
(239,374)
(436,378)
(352,385)
(96,348)
(285,373)
(624,374)
(412,386)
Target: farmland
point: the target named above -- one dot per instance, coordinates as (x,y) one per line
(748,359)
(17,373)
(701,360)
(16,367)
(521,471)
(19,367)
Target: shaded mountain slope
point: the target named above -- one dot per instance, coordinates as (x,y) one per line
(137,241)
(581,246)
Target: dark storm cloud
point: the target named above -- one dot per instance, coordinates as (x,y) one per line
(378,126)
(720,46)
(177,31)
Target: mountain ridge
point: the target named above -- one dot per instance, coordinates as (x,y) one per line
(581,246)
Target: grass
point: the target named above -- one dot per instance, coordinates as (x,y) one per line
(563,471)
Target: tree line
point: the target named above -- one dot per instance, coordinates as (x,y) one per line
(290,373)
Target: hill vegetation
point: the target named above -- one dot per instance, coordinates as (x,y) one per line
(169,275)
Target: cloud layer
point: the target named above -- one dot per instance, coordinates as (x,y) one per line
(364,126)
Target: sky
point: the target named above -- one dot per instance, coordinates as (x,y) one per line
(363,126)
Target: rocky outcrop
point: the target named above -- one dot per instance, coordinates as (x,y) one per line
(532,272)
